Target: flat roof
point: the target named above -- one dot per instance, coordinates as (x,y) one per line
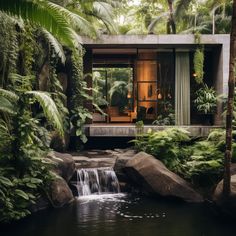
(109,41)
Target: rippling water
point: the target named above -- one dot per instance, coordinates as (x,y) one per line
(121,215)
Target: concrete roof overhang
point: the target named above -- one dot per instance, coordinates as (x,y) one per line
(120,43)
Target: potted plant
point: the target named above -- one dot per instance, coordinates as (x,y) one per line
(205,101)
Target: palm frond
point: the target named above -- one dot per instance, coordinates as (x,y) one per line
(49,108)
(191,30)
(44,14)
(21,83)
(11,96)
(104,12)
(55,44)
(74,20)
(5,137)
(157,20)
(180,7)
(6,107)
(113,3)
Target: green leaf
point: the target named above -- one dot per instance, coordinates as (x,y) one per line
(22,194)
(78,132)
(5,181)
(50,110)
(83,138)
(31,185)
(36,181)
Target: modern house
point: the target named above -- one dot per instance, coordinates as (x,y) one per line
(151,78)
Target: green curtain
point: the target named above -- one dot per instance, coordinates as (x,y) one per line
(182,89)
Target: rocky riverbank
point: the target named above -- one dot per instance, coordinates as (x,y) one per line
(135,171)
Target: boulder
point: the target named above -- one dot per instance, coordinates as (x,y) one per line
(228,204)
(121,160)
(60,193)
(154,178)
(94,162)
(64,164)
(41,203)
(103,158)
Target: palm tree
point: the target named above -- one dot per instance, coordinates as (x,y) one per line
(207,17)
(97,11)
(57,20)
(230,105)
(171,28)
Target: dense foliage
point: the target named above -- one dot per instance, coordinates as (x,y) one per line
(194,159)
(189,16)
(205,101)
(38,41)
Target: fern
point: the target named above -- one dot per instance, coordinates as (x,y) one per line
(55,44)
(11,96)
(49,108)
(6,107)
(52,17)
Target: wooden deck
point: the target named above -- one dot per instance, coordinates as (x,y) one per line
(129,130)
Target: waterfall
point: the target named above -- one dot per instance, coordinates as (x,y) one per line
(97,181)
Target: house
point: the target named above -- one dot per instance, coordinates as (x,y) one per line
(152,78)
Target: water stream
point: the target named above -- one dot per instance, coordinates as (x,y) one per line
(101,210)
(97,181)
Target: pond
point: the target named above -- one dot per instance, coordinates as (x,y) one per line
(121,215)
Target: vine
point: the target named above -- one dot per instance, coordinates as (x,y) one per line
(8,48)
(56,89)
(198,61)
(79,114)
(27,49)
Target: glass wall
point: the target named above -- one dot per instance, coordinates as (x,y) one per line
(144,91)
(113,93)
(155,87)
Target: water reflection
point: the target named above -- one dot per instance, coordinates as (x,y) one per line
(123,215)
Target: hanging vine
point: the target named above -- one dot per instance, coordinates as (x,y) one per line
(8,48)
(198,61)
(27,45)
(79,114)
(56,89)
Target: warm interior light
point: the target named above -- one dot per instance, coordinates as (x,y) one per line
(159,96)
(129,95)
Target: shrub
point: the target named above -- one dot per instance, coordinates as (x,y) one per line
(192,159)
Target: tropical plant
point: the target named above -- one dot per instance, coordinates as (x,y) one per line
(198,64)
(206,100)
(200,161)
(23,144)
(56,19)
(167,145)
(79,95)
(8,47)
(180,16)
(168,119)
(99,13)
(166,114)
(205,165)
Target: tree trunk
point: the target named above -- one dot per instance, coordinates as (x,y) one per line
(171,27)
(230,106)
